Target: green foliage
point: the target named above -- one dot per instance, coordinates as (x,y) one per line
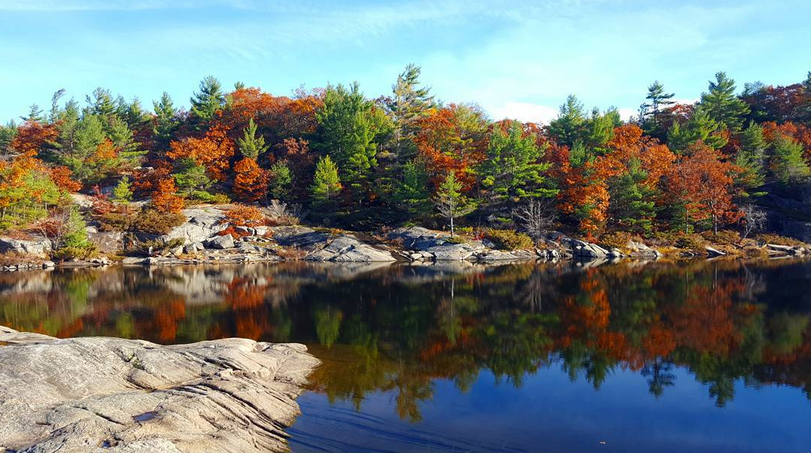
(326,183)
(7,134)
(206,102)
(651,112)
(408,104)
(69,235)
(513,169)
(570,125)
(412,192)
(632,204)
(750,157)
(349,129)
(190,177)
(281,180)
(700,126)
(122,192)
(788,163)
(250,145)
(450,202)
(508,239)
(721,104)
(165,122)
(19,207)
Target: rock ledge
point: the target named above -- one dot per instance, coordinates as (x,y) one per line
(115,395)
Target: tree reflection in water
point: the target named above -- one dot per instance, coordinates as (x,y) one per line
(401,328)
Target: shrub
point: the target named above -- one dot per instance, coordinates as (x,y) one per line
(247,216)
(723,237)
(456,239)
(618,239)
(690,241)
(148,221)
(508,239)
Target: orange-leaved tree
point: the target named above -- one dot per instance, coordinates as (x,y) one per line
(213,151)
(703,181)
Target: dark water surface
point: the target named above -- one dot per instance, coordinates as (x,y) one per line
(689,357)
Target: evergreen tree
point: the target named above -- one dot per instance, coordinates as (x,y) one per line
(700,126)
(122,192)
(281,180)
(408,104)
(191,179)
(651,111)
(721,104)
(788,163)
(600,129)
(135,115)
(7,134)
(54,116)
(101,104)
(165,122)
(412,192)
(450,202)
(513,169)
(326,183)
(570,125)
(123,140)
(34,114)
(632,203)
(250,145)
(750,157)
(67,125)
(206,102)
(348,128)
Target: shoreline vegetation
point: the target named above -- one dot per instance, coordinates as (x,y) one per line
(331,175)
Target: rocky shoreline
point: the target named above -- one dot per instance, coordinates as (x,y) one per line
(200,240)
(100,394)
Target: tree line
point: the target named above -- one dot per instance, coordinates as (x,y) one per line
(408,158)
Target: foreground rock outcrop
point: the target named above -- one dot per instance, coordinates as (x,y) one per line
(114,395)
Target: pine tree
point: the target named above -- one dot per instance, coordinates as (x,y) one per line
(450,202)
(632,203)
(513,169)
(54,116)
(651,111)
(721,104)
(326,183)
(101,104)
(122,192)
(408,104)
(206,102)
(191,178)
(788,163)
(34,114)
(570,125)
(250,145)
(348,129)
(165,122)
(412,192)
(750,157)
(7,134)
(281,180)
(701,127)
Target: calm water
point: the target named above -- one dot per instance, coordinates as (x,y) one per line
(703,356)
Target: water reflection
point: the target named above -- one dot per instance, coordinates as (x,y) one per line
(403,330)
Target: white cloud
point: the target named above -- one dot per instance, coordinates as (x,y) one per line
(524,111)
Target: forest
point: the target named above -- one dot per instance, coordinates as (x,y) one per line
(337,158)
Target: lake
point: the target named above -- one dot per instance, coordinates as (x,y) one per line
(686,357)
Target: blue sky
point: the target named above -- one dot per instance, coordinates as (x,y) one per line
(515,58)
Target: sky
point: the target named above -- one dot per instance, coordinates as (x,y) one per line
(516,59)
